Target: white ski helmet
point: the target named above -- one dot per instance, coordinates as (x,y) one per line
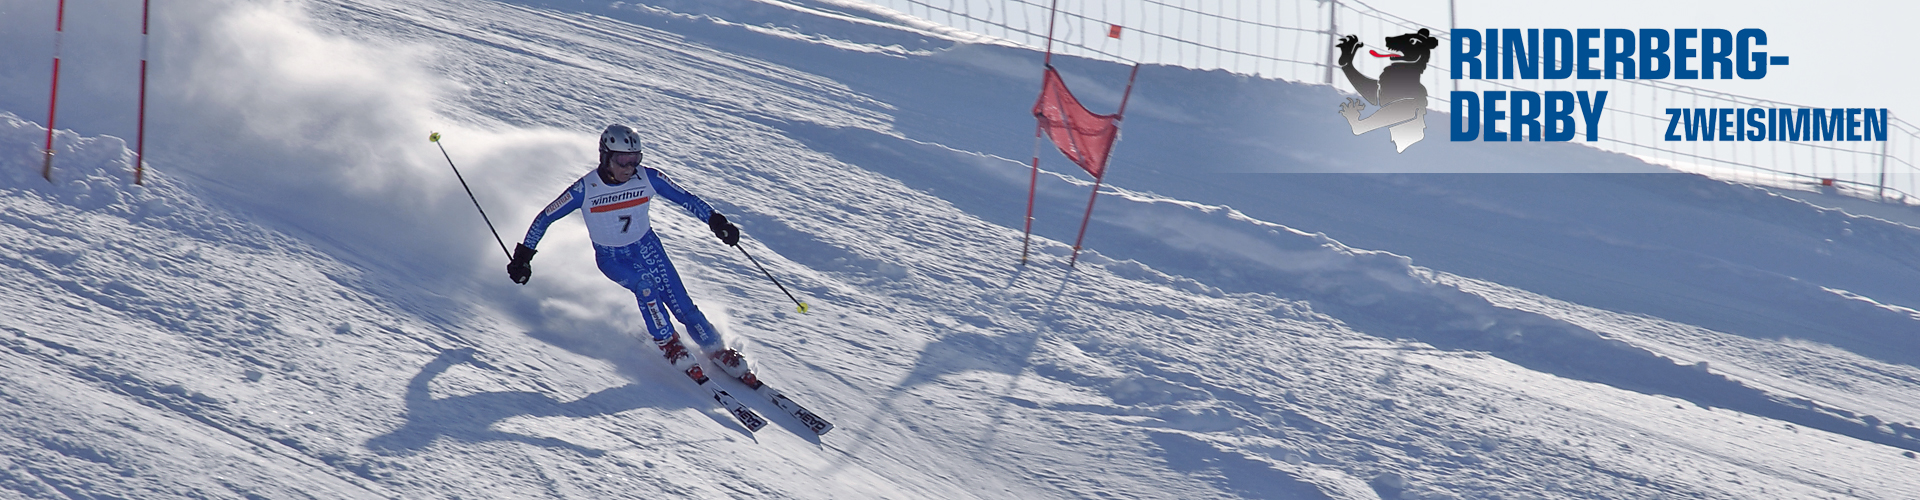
(619,139)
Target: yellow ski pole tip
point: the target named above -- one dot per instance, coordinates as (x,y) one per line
(803,308)
(433,137)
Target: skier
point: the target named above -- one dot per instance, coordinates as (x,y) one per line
(616,196)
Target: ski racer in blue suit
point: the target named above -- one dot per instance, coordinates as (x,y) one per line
(615,197)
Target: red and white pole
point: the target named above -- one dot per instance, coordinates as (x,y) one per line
(53,99)
(140,134)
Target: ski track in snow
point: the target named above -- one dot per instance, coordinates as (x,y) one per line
(185,339)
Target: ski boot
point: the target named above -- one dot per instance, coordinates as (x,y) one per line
(734,364)
(677,355)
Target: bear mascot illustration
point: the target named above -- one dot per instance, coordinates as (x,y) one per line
(1398,92)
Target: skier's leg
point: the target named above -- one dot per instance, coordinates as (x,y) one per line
(667,281)
(623,266)
(674,293)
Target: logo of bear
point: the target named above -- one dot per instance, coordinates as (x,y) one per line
(1398,92)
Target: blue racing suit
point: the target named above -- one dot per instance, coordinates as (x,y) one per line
(626,249)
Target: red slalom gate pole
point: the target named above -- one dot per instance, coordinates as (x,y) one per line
(140,134)
(1083,221)
(1118,115)
(1033,182)
(53,99)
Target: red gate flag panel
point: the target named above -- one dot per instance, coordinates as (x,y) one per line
(1085,137)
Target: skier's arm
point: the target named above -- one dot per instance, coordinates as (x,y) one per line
(569,201)
(520,267)
(674,193)
(726,231)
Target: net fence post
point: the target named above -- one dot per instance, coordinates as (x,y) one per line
(1883,157)
(1333,37)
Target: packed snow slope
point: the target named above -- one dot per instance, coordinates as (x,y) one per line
(302,303)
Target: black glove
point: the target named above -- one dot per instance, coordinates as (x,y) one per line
(726,231)
(521,269)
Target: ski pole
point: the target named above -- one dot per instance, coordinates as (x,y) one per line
(776,282)
(434,138)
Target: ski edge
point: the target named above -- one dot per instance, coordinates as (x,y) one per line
(820,426)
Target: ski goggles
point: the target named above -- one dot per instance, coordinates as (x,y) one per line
(624,159)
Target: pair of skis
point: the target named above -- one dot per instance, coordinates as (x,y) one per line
(683,360)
